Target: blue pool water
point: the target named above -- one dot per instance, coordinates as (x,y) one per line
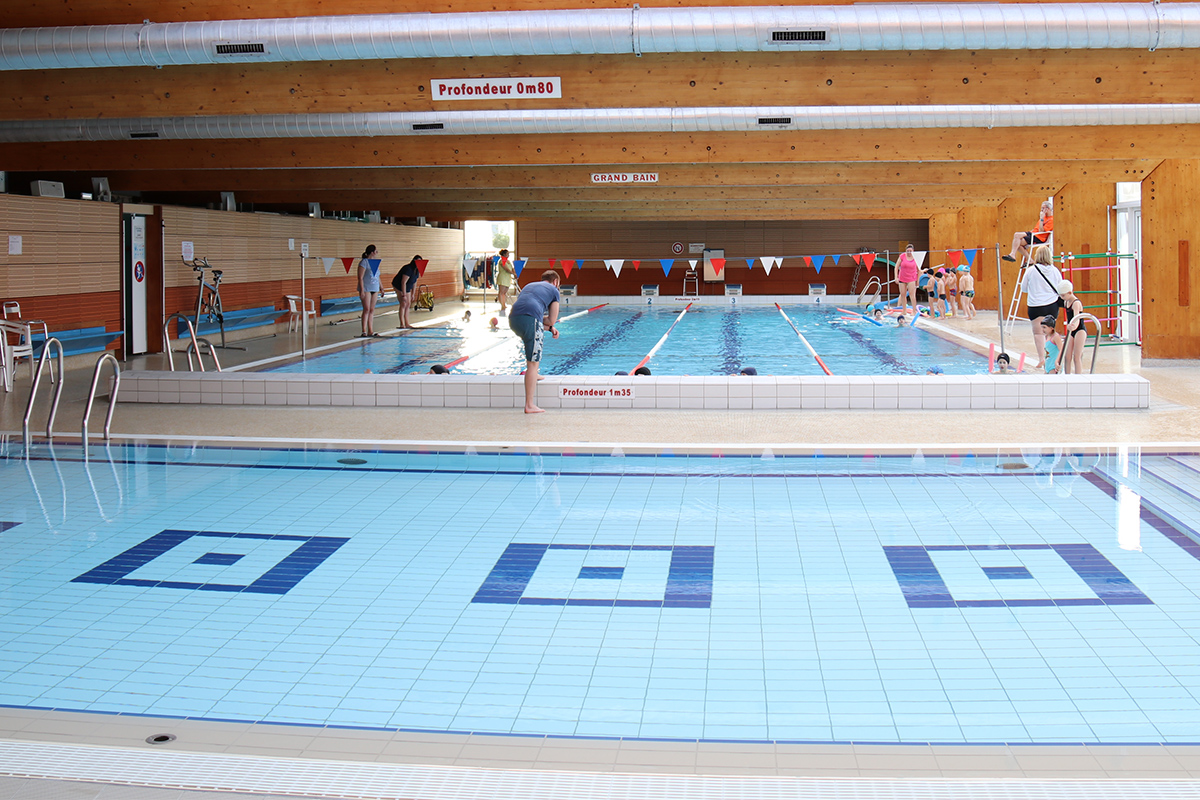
(1025,597)
(707,341)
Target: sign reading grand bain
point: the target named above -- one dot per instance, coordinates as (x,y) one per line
(486,88)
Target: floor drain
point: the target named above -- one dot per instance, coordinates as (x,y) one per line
(353,462)
(160,738)
(1014,465)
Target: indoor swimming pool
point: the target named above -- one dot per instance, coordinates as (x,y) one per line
(992,597)
(709,340)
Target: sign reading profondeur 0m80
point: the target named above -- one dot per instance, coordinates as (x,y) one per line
(486,88)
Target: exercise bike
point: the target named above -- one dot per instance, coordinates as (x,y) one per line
(208,298)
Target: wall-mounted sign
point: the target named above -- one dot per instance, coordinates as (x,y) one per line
(487,88)
(624,177)
(14,245)
(695,247)
(677,248)
(304,249)
(189,251)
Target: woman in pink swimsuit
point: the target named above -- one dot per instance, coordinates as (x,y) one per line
(906,275)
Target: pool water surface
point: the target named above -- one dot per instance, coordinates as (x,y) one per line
(1044,596)
(709,340)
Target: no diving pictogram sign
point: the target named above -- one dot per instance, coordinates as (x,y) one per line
(139,272)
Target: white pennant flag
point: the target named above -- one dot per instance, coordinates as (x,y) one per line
(769,263)
(615,265)
(919,255)
(328,262)
(692,262)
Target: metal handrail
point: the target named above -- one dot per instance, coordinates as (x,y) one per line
(112,398)
(37,379)
(167,337)
(1096,342)
(212,351)
(874,279)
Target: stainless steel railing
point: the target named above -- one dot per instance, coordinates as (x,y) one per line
(37,379)
(112,398)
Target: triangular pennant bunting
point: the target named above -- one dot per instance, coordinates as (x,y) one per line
(856,258)
(636,264)
(953,257)
(422,263)
(919,257)
(567,265)
(348,263)
(373,264)
(749,263)
(518,265)
(579,263)
(718,264)
(615,265)
(868,259)
(552,263)
(328,262)
(818,261)
(768,263)
(666,265)
(970,256)
(692,264)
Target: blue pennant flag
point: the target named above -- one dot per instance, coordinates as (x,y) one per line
(818,261)
(373,263)
(970,256)
(666,265)
(518,265)
(750,263)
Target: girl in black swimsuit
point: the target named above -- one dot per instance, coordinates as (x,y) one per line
(1076,338)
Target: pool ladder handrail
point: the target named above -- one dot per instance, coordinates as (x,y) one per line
(192,345)
(1084,316)
(878,285)
(112,398)
(37,380)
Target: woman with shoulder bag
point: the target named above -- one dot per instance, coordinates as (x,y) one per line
(1041,294)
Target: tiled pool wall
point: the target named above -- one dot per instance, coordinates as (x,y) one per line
(876,393)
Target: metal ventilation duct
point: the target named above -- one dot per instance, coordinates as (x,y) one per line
(611,120)
(946,26)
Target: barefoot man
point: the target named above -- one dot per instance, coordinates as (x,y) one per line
(536,309)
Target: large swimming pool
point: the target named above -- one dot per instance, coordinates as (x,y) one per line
(709,340)
(1036,596)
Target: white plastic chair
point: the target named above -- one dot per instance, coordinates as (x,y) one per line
(16,341)
(296,318)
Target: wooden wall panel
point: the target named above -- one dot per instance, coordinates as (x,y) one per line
(970,228)
(259,269)
(68,247)
(543,239)
(1170,329)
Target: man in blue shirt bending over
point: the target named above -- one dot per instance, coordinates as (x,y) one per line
(536,308)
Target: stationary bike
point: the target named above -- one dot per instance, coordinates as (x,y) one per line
(208,298)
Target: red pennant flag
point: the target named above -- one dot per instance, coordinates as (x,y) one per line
(807,260)
(422,263)
(718,264)
(348,263)
(954,256)
(868,259)
(567,265)
(636,264)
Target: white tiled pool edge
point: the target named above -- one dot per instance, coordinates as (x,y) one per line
(873,393)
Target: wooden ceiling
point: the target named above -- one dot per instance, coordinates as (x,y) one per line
(720,175)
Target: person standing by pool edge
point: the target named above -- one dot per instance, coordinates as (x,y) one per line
(368,291)
(535,310)
(405,284)
(1041,294)
(907,273)
(504,279)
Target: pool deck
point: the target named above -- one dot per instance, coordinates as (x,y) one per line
(59,747)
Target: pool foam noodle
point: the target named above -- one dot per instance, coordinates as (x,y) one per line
(661,341)
(991,357)
(805,341)
(1021,363)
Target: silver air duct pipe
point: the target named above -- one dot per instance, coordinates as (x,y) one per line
(949,26)
(621,120)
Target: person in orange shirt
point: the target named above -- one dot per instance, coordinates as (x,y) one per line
(1022,240)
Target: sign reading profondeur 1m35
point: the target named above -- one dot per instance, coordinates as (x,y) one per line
(487,88)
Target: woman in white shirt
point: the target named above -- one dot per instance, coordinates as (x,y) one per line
(1041,294)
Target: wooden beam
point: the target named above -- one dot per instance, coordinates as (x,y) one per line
(1047,174)
(612,81)
(1013,144)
